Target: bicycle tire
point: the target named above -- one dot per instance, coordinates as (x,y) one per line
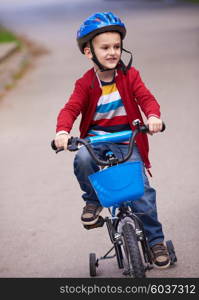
(92,264)
(131,253)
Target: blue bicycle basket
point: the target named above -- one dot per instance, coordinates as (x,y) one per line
(117,184)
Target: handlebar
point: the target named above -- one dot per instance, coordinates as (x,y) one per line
(74,142)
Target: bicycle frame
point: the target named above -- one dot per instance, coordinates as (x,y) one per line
(125,210)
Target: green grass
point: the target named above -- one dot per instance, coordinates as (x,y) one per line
(7,36)
(192,1)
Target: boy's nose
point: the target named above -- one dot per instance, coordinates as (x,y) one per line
(112,51)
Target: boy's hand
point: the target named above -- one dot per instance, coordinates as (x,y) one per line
(61,140)
(155,124)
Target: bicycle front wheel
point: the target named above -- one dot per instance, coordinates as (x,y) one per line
(131,252)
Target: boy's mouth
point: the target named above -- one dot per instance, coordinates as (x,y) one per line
(111,60)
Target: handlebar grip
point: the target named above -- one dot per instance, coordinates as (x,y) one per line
(72,145)
(163,127)
(54,147)
(145,128)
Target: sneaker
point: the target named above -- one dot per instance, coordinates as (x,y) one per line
(90,214)
(160,255)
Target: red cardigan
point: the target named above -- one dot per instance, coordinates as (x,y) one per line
(87,92)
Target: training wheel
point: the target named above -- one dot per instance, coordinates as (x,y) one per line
(92,264)
(171,251)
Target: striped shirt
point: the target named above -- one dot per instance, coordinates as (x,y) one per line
(110,115)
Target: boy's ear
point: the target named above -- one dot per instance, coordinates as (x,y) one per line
(87,52)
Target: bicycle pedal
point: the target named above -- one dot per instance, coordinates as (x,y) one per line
(99,223)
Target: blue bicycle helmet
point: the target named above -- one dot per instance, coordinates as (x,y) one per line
(99,23)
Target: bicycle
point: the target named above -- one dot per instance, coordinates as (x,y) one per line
(124,226)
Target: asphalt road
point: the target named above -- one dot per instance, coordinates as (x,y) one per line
(40,203)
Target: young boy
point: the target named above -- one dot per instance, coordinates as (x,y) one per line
(108,96)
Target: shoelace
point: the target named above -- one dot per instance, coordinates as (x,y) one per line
(90,209)
(159,250)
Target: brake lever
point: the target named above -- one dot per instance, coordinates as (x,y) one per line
(72,144)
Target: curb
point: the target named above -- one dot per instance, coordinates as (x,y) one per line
(13,61)
(16,59)
(7,49)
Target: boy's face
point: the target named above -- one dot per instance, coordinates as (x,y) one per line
(107,47)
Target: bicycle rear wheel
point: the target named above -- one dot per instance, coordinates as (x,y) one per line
(131,252)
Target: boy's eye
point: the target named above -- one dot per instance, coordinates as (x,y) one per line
(105,47)
(115,47)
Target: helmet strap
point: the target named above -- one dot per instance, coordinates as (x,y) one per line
(96,61)
(131,58)
(123,67)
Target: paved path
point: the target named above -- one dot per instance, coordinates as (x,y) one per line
(40,207)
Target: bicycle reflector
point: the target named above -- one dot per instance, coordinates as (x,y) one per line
(117,184)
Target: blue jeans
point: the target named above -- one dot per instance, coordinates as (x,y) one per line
(145,207)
